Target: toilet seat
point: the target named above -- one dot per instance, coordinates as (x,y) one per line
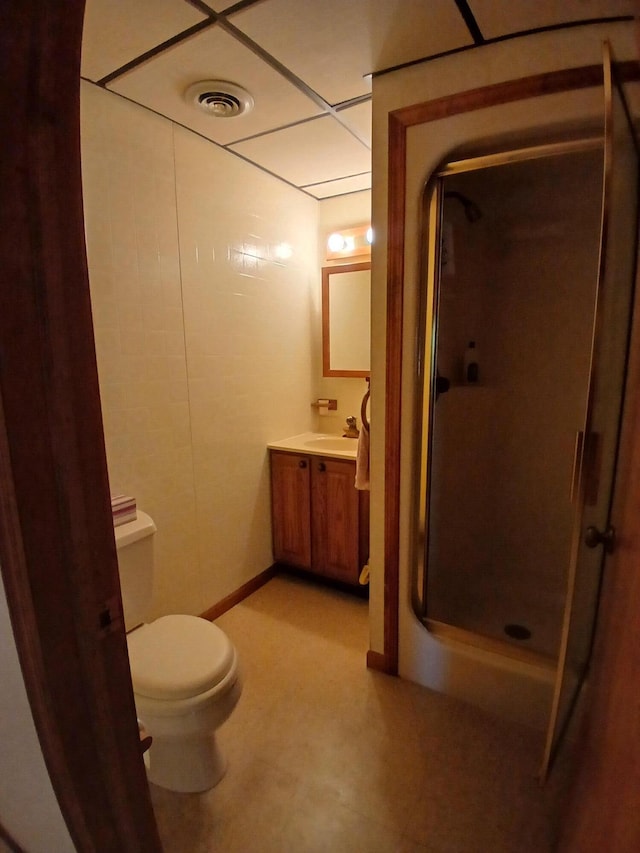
(178,657)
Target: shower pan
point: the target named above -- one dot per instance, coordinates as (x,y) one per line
(523,264)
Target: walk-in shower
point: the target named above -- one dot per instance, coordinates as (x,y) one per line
(518,455)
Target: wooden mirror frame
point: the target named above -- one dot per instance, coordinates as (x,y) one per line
(326,313)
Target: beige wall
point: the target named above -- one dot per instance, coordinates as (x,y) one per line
(421,658)
(203,337)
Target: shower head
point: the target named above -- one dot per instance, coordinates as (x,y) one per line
(471,209)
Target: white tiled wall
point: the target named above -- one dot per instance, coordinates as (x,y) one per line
(203,338)
(248,316)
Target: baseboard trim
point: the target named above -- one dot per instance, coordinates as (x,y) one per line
(381,663)
(240,594)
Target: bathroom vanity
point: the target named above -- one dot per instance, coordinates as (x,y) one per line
(320,521)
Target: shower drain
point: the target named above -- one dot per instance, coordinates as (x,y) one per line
(517,632)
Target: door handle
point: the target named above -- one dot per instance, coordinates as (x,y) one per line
(594,537)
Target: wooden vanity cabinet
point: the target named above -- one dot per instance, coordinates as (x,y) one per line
(291,509)
(320,520)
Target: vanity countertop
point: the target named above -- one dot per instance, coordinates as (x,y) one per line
(318,444)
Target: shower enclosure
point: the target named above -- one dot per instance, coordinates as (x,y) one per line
(520,284)
(526,284)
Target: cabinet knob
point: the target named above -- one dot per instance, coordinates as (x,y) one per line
(322,466)
(302,464)
(594,537)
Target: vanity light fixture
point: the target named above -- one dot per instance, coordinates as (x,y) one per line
(349,242)
(336,242)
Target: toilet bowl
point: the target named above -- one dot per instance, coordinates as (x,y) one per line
(186,683)
(184,672)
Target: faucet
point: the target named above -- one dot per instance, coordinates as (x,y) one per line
(350,429)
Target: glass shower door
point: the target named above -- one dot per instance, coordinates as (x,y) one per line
(596,447)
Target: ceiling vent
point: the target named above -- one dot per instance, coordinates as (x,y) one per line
(219,99)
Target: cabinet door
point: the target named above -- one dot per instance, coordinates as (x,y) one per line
(290,509)
(334,522)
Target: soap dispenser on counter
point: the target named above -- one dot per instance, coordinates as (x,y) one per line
(471,372)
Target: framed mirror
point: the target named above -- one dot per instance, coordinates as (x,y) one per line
(346,320)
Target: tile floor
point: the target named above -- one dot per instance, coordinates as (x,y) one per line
(327,756)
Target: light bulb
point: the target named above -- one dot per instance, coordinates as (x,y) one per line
(336,242)
(369,236)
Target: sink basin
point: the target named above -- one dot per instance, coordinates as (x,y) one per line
(332,443)
(318,444)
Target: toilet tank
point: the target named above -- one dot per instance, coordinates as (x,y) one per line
(134,543)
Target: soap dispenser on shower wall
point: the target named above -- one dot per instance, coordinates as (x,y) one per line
(470,363)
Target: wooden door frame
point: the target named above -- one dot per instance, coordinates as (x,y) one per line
(57,547)
(400,121)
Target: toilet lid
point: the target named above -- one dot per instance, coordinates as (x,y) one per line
(177,657)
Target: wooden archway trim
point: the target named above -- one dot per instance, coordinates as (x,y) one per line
(571,79)
(56,540)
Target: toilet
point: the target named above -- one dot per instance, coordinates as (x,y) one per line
(184,672)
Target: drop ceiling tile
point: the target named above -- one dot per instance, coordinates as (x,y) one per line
(359,118)
(332,45)
(215,55)
(342,186)
(497,19)
(310,153)
(116,31)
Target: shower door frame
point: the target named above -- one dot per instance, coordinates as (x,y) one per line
(596,467)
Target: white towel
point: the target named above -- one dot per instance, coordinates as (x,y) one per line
(362,460)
